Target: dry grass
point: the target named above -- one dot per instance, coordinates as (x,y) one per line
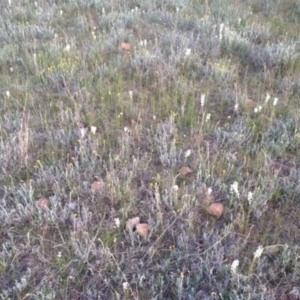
(209,85)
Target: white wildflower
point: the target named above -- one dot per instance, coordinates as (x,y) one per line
(257,109)
(202,100)
(236,107)
(221,31)
(234,189)
(187,153)
(209,191)
(34,58)
(267,98)
(131,95)
(188,52)
(125,285)
(82,132)
(175,187)
(250,197)
(93,129)
(234,266)
(117,222)
(7,93)
(258,252)
(275,101)
(67,48)
(207,117)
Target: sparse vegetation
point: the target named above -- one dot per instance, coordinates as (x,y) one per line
(117,114)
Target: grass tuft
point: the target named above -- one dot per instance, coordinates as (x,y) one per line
(115,111)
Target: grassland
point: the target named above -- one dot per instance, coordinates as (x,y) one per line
(103,103)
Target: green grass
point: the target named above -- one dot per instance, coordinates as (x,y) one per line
(63,71)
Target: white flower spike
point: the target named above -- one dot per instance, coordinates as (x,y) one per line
(117,222)
(125,286)
(202,100)
(234,189)
(187,153)
(234,266)
(93,129)
(188,52)
(258,252)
